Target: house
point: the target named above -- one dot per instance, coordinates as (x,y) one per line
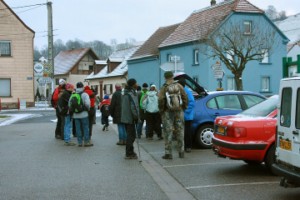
(188,46)
(74,65)
(111,71)
(16,60)
(144,63)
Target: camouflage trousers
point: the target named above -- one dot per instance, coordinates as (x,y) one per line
(173,126)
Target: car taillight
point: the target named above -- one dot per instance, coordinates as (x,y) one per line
(236,132)
(240,132)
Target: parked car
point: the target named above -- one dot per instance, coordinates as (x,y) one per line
(209,105)
(250,135)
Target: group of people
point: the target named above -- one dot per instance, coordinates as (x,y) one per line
(168,114)
(75,110)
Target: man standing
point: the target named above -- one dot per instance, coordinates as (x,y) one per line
(130,116)
(142,111)
(172,101)
(59,130)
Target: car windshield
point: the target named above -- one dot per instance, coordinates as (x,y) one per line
(262,109)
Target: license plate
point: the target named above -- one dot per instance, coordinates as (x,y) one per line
(284,144)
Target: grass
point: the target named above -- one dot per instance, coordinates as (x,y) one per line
(3,116)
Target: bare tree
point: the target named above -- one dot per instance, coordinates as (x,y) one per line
(235,46)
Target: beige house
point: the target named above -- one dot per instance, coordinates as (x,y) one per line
(74,65)
(16,60)
(111,71)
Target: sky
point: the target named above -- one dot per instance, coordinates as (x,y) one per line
(121,20)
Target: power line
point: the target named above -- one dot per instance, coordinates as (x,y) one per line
(18,7)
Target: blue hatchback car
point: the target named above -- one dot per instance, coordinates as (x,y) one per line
(209,105)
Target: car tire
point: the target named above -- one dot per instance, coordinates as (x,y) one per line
(270,157)
(204,136)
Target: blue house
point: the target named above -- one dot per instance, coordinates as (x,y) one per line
(192,40)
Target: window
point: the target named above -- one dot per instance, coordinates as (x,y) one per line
(169,57)
(5,48)
(196,57)
(252,100)
(297,123)
(108,89)
(264,56)
(286,107)
(265,84)
(231,83)
(230,102)
(5,87)
(247,27)
(91,67)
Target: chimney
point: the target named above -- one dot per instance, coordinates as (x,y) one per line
(213,2)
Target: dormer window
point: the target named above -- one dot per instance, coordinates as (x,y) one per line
(247,27)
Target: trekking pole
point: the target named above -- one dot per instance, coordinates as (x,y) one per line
(138,144)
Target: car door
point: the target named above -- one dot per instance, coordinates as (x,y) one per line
(227,104)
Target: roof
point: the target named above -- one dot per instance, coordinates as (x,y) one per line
(121,69)
(150,47)
(202,22)
(16,16)
(66,60)
(290,27)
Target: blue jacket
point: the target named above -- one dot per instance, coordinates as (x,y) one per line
(189,112)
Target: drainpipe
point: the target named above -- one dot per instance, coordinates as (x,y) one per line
(213,2)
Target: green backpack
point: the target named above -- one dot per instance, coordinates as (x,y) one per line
(76,103)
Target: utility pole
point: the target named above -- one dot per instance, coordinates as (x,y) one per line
(50,43)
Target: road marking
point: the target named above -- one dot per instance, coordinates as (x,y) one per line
(231,184)
(197,164)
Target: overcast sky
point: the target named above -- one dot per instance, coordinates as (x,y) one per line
(105,20)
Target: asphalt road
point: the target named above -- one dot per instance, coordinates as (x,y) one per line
(33,165)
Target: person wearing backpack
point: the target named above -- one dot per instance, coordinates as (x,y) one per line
(105,112)
(130,116)
(142,111)
(153,119)
(59,130)
(172,101)
(79,105)
(63,104)
(188,117)
(92,111)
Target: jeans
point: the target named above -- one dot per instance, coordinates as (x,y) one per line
(82,124)
(122,132)
(67,128)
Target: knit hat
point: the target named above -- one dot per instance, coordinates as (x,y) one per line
(145,85)
(69,87)
(62,81)
(118,86)
(131,82)
(79,85)
(153,86)
(168,74)
(106,96)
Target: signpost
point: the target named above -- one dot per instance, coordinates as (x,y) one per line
(218,73)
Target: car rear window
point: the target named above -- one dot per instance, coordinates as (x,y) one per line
(286,107)
(252,100)
(228,102)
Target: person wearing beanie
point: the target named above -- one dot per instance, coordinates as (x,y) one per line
(81,118)
(63,104)
(172,102)
(92,111)
(188,117)
(105,112)
(59,130)
(115,112)
(140,125)
(130,116)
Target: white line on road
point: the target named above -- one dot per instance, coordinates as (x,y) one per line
(231,184)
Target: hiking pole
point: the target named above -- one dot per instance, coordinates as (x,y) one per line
(138,143)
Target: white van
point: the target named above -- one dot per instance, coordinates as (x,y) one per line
(287,154)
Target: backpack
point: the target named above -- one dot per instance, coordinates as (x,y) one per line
(76,103)
(173,97)
(54,96)
(105,110)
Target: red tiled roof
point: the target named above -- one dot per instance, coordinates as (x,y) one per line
(66,60)
(201,23)
(150,47)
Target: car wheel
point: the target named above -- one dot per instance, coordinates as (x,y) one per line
(204,136)
(252,162)
(270,157)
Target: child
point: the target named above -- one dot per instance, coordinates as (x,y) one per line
(104,109)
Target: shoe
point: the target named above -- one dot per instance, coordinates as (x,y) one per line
(188,150)
(103,129)
(124,142)
(58,137)
(150,138)
(88,144)
(106,128)
(121,142)
(160,138)
(167,156)
(181,154)
(133,156)
(79,145)
(70,144)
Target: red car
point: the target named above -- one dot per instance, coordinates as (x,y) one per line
(248,136)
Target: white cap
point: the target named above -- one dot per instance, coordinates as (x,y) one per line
(61,81)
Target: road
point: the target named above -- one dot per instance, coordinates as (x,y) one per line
(34,165)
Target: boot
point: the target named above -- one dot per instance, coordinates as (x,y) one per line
(121,142)
(167,156)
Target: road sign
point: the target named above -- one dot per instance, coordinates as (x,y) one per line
(45,80)
(38,68)
(218,71)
